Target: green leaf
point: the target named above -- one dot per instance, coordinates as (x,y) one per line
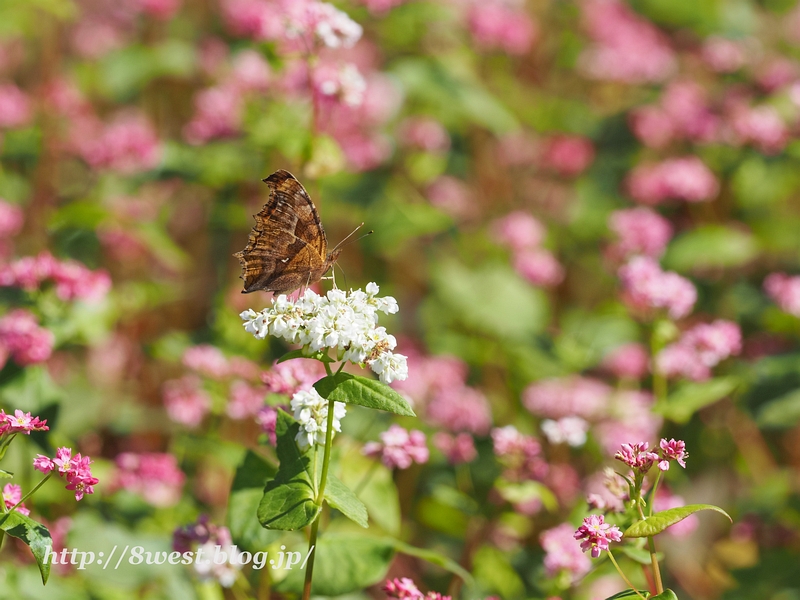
(782,412)
(352,389)
(688,398)
(300,353)
(5,474)
(289,500)
(711,247)
(665,595)
(344,563)
(340,497)
(658,522)
(34,534)
(246,492)
(435,558)
(628,594)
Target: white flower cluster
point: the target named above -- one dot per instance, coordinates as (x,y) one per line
(311,411)
(347,83)
(346,322)
(329,24)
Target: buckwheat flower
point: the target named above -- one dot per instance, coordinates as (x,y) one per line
(43,463)
(451,195)
(12,494)
(567,396)
(457,449)
(160,9)
(567,155)
(627,361)
(326,23)
(460,409)
(399,448)
(724,55)
(311,411)
(637,456)
(22,422)
(567,430)
(63,459)
(495,25)
(11,218)
(646,286)
(520,454)
(700,348)
(206,360)
(672,450)
(539,267)
(762,126)
(424,133)
(207,537)
(245,400)
(152,475)
(292,376)
(16,108)
(401,588)
(79,477)
(267,418)
(186,402)
(21,335)
(218,114)
(684,178)
(250,72)
(639,231)
(518,230)
(784,291)
(128,144)
(596,534)
(340,83)
(341,321)
(562,554)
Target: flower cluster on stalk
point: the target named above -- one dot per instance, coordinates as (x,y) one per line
(338,320)
(640,458)
(595,534)
(75,469)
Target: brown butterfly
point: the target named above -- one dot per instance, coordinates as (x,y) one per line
(287,248)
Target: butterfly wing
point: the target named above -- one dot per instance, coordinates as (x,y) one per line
(287,247)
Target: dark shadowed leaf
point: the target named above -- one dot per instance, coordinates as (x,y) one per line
(345,501)
(34,534)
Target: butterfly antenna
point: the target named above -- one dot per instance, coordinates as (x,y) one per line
(340,244)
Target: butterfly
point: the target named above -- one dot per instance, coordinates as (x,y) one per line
(287,248)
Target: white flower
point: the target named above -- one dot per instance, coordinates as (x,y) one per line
(569,430)
(311,411)
(345,322)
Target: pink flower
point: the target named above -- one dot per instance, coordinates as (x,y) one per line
(629,416)
(562,554)
(431,374)
(63,459)
(637,456)
(539,267)
(43,463)
(458,448)
(424,133)
(11,218)
(761,126)
(73,281)
(245,400)
(267,417)
(672,450)
(21,335)
(627,361)
(340,83)
(451,195)
(127,144)
(206,360)
(627,47)
(679,178)
(724,55)
(292,376)
(250,72)
(153,476)
(646,286)
(402,588)
(785,291)
(700,348)
(185,401)
(518,230)
(495,25)
(251,18)
(75,469)
(218,114)
(12,494)
(652,125)
(93,37)
(22,422)
(460,409)
(380,7)
(520,455)
(596,534)
(160,9)
(568,396)
(399,448)
(15,107)
(568,155)
(639,231)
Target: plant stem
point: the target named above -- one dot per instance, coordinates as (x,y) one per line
(30,493)
(653,494)
(656,571)
(621,574)
(312,540)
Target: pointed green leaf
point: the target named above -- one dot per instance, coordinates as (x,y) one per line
(665,595)
(5,474)
(629,594)
(289,499)
(340,497)
(34,534)
(658,522)
(344,563)
(435,558)
(352,389)
(300,353)
(691,397)
(246,492)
